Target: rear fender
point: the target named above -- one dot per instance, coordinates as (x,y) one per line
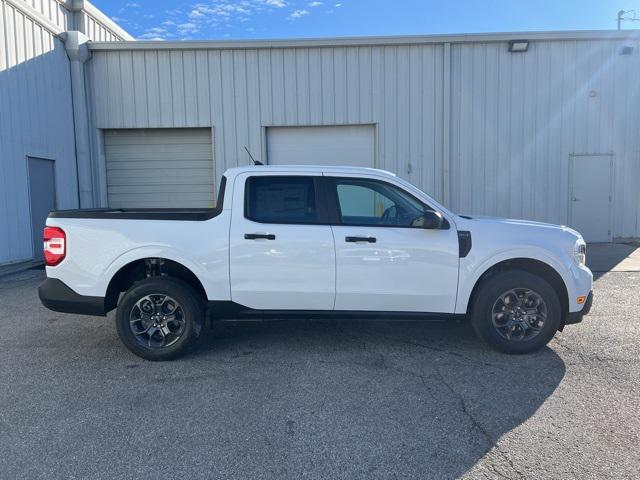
(215,290)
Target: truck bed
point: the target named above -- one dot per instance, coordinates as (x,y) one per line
(185,214)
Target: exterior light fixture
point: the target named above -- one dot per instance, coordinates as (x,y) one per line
(518,46)
(626,50)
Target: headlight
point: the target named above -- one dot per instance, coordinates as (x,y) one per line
(580,252)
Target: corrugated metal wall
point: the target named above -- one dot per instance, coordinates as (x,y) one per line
(36,117)
(97,26)
(502,124)
(53,10)
(96,30)
(516,119)
(83,17)
(239,92)
(35,120)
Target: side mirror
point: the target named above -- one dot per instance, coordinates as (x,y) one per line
(430,220)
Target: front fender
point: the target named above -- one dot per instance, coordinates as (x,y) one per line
(472,268)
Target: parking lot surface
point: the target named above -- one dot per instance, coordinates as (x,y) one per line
(320,399)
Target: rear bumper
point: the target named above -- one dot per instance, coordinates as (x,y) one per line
(57,296)
(576,317)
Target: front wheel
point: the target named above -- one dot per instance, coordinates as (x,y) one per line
(516,312)
(159,318)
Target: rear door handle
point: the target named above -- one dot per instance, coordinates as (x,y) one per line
(256,236)
(360,239)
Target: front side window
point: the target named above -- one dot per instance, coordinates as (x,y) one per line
(274,199)
(370,202)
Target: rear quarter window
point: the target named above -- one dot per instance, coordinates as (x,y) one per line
(280,199)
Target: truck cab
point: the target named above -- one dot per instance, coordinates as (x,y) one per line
(314,241)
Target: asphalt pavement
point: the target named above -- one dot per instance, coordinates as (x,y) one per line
(319,399)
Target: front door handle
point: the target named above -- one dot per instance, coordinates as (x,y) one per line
(256,236)
(360,239)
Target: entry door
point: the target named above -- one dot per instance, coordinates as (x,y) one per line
(281,258)
(382,262)
(42,197)
(590,211)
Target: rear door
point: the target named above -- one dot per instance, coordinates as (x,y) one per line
(281,255)
(383,263)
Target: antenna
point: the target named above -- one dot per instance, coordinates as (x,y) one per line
(255,162)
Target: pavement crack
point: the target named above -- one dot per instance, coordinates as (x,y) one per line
(453,353)
(588,359)
(492,442)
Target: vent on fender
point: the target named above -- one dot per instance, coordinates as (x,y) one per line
(464,242)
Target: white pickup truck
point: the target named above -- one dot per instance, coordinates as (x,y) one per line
(311,242)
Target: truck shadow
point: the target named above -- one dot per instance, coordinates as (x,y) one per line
(287,399)
(415,399)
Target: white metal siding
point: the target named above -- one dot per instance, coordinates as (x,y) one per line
(85,18)
(398,88)
(98,26)
(36,117)
(517,119)
(159,168)
(35,120)
(54,11)
(97,31)
(350,145)
(492,129)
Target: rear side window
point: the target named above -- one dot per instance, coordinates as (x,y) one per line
(273,199)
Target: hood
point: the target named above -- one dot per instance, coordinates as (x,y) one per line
(515,223)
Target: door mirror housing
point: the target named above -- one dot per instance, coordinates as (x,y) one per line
(429,220)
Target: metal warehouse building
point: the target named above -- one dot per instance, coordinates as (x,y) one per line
(550,133)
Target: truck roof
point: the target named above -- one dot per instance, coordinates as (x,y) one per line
(307,169)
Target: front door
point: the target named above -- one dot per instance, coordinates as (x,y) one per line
(383,263)
(590,212)
(42,198)
(281,257)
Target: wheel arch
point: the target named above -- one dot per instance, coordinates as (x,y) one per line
(142,268)
(531,265)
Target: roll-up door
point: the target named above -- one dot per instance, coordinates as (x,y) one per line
(159,168)
(344,145)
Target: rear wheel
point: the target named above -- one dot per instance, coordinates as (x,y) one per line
(516,312)
(160,318)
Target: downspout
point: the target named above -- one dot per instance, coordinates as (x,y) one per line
(77,8)
(446,126)
(78,52)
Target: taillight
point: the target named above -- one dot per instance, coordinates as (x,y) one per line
(55,245)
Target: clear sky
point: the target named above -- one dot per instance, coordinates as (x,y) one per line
(246,19)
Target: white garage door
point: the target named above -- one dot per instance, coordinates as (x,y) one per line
(340,145)
(159,168)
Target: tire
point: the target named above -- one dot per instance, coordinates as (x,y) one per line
(160,318)
(504,331)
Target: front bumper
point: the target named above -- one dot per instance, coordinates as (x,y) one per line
(57,296)
(576,317)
